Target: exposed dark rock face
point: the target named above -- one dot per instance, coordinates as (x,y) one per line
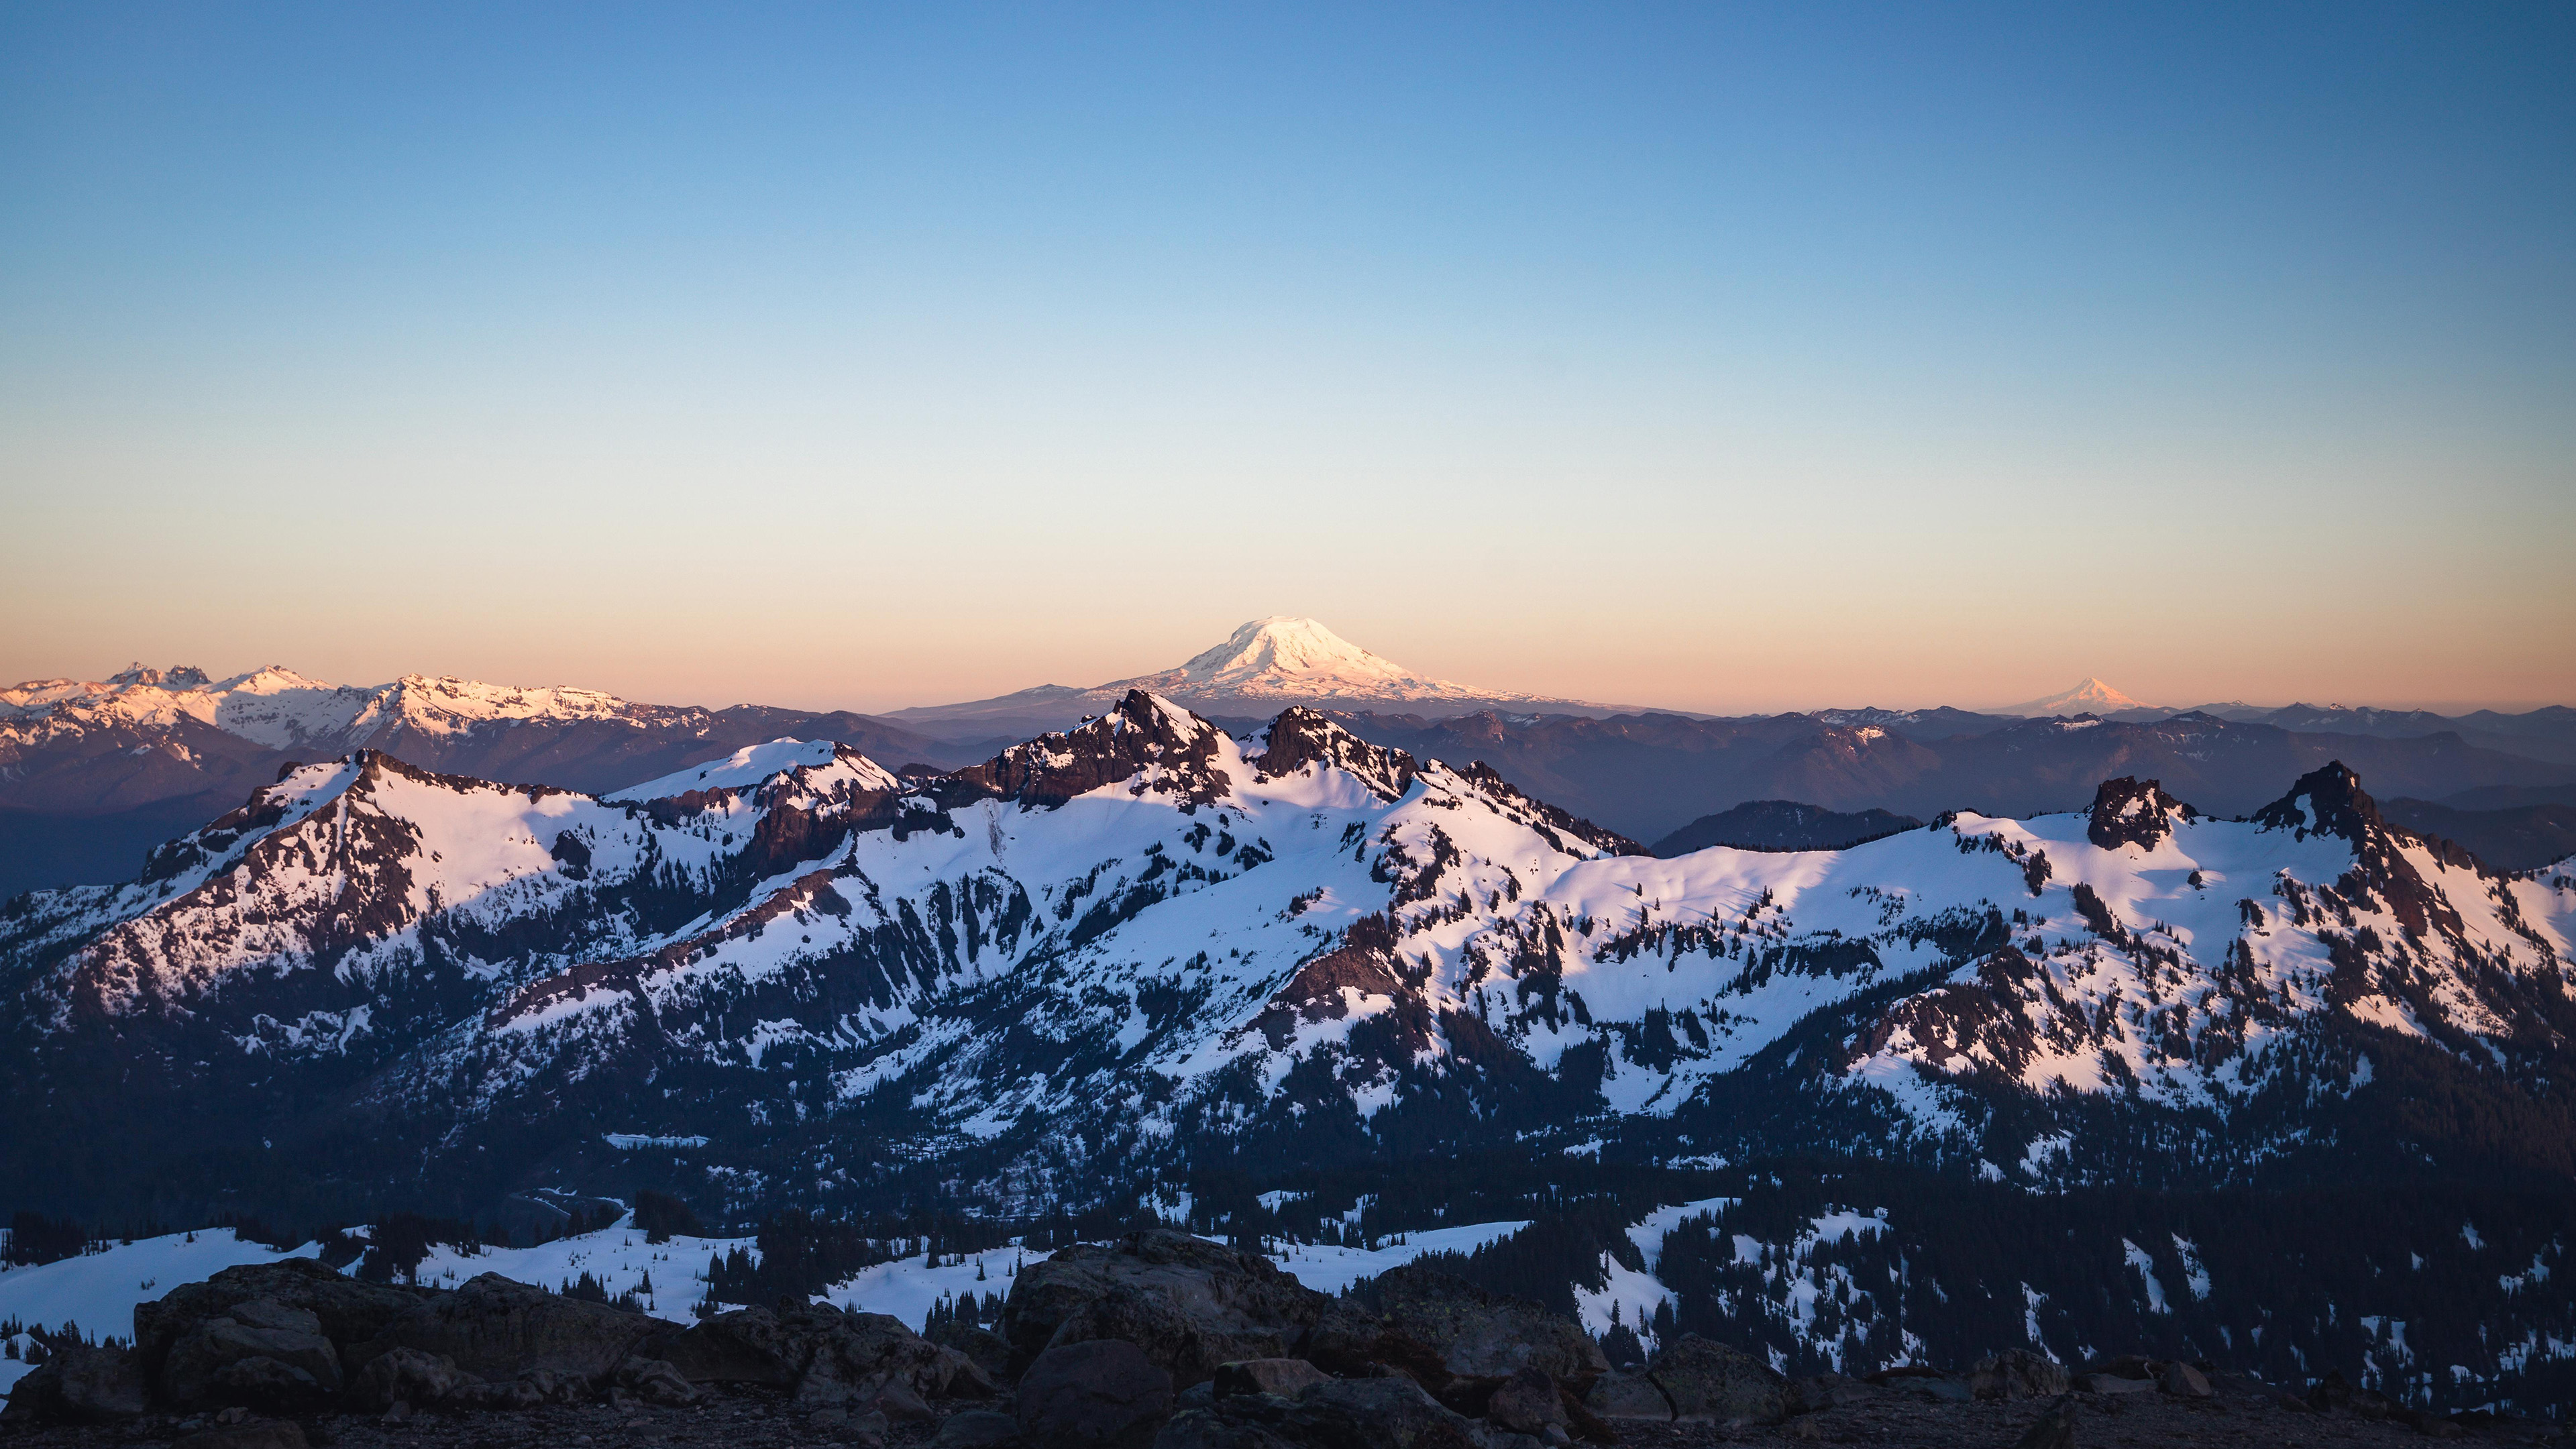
(1161,749)
(2129,811)
(1302,740)
(1323,989)
(1947,1022)
(2331,802)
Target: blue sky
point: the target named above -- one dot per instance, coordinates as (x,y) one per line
(1721,357)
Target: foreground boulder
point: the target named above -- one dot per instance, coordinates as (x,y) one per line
(1285,1377)
(826,1358)
(1628,1396)
(298,1294)
(1189,1304)
(494,1327)
(1709,1382)
(409,1376)
(1477,1334)
(259,1353)
(79,1385)
(1101,1392)
(2018,1373)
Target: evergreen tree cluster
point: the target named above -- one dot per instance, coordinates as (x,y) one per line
(2442,1296)
(36,1238)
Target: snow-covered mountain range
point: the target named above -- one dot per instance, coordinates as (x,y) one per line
(94,773)
(1103,955)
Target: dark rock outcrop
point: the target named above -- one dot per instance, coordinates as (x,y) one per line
(1301,739)
(260,1354)
(1712,1383)
(409,1376)
(1477,1334)
(1101,1392)
(826,1356)
(1190,1305)
(2129,811)
(79,1384)
(2018,1373)
(1628,1396)
(345,1311)
(1161,748)
(491,1327)
(1284,1377)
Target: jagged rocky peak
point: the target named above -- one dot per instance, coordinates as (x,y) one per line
(2327,800)
(1144,738)
(1301,739)
(177,676)
(2130,811)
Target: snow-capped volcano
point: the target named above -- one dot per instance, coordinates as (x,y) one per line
(2090,697)
(1264,664)
(1294,660)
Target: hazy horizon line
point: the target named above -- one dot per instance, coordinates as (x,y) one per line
(1429,708)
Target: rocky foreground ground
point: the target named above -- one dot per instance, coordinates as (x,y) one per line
(1158,1341)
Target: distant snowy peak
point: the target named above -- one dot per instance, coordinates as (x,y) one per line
(2090,697)
(1283,659)
(447,705)
(748,766)
(277,708)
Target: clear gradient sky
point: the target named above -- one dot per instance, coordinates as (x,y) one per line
(1716,356)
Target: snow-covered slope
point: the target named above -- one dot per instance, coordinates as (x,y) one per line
(756,764)
(97,1291)
(1102,953)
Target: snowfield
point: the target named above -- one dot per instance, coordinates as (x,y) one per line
(98,1291)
